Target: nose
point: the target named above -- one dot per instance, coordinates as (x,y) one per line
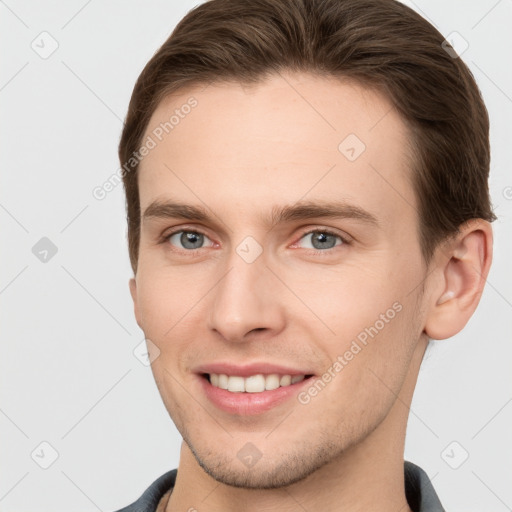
(247,300)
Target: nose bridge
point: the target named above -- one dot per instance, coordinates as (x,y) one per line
(244,299)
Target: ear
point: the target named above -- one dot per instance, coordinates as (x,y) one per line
(463,264)
(133,292)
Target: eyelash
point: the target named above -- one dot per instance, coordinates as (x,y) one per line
(325,231)
(345,241)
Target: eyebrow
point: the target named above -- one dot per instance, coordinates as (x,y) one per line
(301,210)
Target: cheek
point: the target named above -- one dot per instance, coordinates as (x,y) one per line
(369,368)
(374,322)
(167,296)
(348,298)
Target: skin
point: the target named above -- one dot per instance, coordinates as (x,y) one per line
(239,153)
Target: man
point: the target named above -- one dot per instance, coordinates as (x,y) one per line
(307,202)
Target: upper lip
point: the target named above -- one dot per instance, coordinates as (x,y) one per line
(247,370)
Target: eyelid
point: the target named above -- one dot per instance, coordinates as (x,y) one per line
(346,239)
(188,229)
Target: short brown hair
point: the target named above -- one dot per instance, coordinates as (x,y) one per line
(379,43)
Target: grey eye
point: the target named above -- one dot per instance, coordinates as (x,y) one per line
(188,239)
(321,240)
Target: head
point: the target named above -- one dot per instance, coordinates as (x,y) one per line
(332,160)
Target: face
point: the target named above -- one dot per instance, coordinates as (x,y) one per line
(289,246)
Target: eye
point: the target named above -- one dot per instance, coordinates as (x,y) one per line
(188,240)
(321,239)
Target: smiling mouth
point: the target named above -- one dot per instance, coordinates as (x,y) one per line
(257,383)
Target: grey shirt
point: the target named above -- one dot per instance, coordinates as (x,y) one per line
(419,492)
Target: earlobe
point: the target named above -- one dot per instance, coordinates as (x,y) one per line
(464,265)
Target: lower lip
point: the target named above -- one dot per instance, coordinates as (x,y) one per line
(249,404)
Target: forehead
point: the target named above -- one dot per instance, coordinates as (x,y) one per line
(291,136)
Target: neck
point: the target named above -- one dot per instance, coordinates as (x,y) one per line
(368,476)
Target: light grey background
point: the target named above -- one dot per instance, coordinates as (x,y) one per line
(69,376)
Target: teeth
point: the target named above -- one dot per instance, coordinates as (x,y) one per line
(272,381)
(286,380)
(223,382)
(236,384)
(254,383)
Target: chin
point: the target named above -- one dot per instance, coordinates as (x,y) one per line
(282,470)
